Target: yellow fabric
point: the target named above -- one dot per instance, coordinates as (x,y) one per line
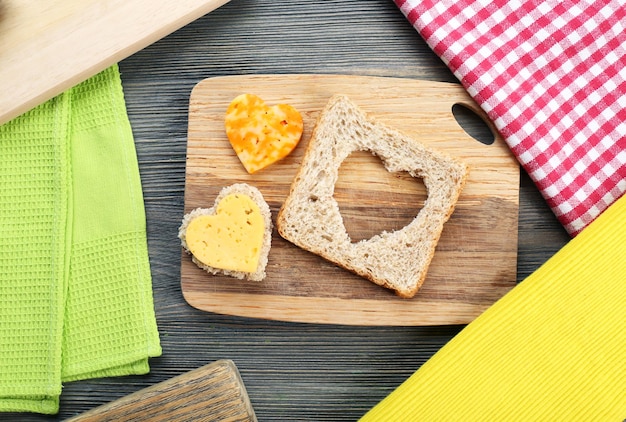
(552,349)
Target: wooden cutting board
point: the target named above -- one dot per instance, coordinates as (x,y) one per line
(475,260)
(48,46)
(214,392)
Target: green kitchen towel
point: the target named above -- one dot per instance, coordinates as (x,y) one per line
(76,289)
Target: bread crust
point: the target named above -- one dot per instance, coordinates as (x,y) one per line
(310,217)
(257,197)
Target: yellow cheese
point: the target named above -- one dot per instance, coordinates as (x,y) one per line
(260,134)
(232,238)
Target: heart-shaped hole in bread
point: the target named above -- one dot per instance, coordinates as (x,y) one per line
(385,202)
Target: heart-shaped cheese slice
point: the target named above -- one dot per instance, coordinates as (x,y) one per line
(259,134)
(232,238)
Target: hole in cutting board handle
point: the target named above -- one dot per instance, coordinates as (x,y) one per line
(473,124)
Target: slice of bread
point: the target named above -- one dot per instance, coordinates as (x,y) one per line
(264,208)
(310,216)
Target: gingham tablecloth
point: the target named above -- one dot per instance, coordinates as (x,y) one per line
(552,77)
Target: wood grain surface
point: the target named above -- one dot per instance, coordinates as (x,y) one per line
(292,371)
(214,392)
(47,47)
(475,260)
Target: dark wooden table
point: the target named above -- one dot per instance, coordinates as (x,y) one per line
(291,371)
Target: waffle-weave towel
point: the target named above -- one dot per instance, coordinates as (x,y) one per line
(552,77)
(76,290)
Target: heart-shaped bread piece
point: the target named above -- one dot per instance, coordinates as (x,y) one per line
(261,134)
(233,237)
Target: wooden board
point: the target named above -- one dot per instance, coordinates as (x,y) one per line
(47,47)
(214,392)
(475,260)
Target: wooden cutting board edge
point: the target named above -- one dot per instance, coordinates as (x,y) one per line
(72,40)
(217,384)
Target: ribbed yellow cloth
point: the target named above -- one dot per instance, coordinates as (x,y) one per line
(552,349)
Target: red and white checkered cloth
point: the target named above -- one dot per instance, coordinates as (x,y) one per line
(552,77)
